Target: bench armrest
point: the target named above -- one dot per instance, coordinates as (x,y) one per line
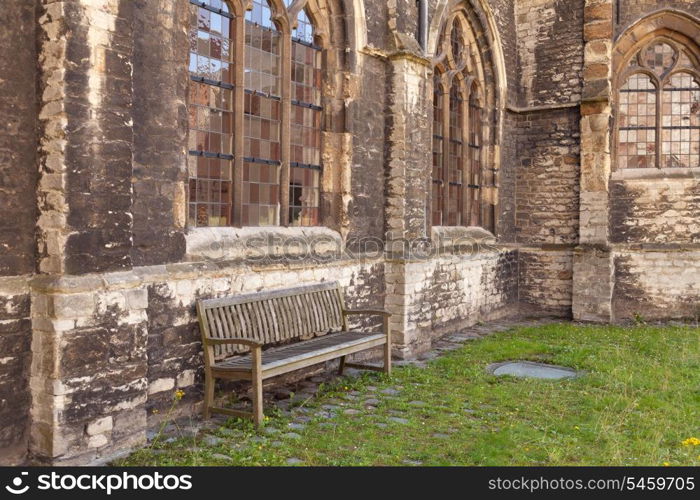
(245,342)
(368,312)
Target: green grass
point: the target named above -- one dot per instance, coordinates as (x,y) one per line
(636,404)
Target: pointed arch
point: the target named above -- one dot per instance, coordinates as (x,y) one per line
(656,65)
(464,57)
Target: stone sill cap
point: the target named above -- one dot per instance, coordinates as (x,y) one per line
(655,173)
(232,243)
(455,235)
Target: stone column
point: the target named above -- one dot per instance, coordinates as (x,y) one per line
(593,263)
(86,136)
(409,167)
(89,363)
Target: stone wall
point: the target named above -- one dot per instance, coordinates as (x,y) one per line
(658,210)
(550,55)
(545,131)
(15,359)
(111,349)
(655,231)
(104,293)
(159,173)
(657,283)
(18,213)
(18,173)
(432,297)
(630,11)
(547,192)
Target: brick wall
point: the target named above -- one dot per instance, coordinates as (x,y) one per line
(545,280)
(547,190)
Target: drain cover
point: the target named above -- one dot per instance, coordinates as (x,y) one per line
(528,369)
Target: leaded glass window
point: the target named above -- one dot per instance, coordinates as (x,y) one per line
(658,108)
(458,130)
(255,115)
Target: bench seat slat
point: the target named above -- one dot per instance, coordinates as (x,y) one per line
(278,357)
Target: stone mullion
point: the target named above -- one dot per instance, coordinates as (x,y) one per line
(87,400)
(445,185)
(239,121)
(659,122)
(467,167)
(285,125)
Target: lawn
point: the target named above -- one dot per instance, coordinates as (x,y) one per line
(637,404)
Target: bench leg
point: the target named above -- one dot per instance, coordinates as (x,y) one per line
(387,359)
(387,346)
(341,369)
(209,384)
(258,416)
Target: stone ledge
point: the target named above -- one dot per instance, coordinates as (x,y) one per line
(656,247)
(446,237)
(655,173)
(254,243)
(126,280)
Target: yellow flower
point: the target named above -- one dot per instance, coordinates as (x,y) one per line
(179,394)
(692,441)
(666,464)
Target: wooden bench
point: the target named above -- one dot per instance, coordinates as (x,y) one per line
(313,315)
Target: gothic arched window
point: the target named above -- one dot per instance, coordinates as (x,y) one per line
(458,130)
(658,108)
(255,111)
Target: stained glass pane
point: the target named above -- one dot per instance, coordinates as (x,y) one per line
(637,123)
(260,194)
(262,118)
(660,57)
(210,116)
(262,55)
(455,170)
(260,14)
(304,197)
(305,175)
(681,122)
(306,74)
(438,139)
(476,132)
(305,29)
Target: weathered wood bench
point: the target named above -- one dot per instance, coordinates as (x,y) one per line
(313,315)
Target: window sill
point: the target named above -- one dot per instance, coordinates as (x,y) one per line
(655,173)
(262,243)
(460,238)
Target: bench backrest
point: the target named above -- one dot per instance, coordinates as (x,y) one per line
(272,317)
